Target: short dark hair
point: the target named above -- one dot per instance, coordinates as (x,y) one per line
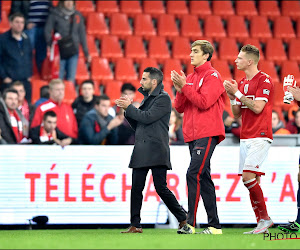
(17,14)
(44,92)
(205,46)
(9,90)
(87,82)
(128,86)
(49,113)
(100,98)
(252,51)
(155,73)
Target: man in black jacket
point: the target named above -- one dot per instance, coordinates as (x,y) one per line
(151,150)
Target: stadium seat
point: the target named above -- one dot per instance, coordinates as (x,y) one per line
(177,8)
(70,92)
(278,97)
(124,70)
(130,8)
(275,51)
(96,25)
(190,27)
(259,28)
(169,65)
(138,96)
(107,7)
(256,43)
(36,84)
(200,8)
(134,48)
(6,5)
(189,69)
(223,68)
(298,27)
(223,9)
(85,7)
(283,28)
(119,25)
(269,9)
(4,24)
(154,8)
(93,51)
(146,62)
(290,68)
(213,27)
(236,28)
(268,67)
(82,72)
(228,49)
(113,90)
(143,26)
(238,74)
(291,9)
(245,8)
(181,49)
(294,50)
(158,49)
(110,48)
(100,69)
(166,26)
(168,88)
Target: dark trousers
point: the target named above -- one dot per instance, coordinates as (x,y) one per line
(160,182)
(199,181)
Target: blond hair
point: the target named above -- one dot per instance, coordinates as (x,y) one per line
(205,46)
(54,82)
(252,52)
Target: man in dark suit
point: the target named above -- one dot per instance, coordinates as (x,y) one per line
(151,150)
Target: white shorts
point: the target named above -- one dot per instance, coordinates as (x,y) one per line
(253,153)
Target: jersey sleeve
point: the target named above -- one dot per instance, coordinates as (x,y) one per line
(265,87)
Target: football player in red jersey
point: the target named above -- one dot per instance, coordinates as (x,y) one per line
(252,98)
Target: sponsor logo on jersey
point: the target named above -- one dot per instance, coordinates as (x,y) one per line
(267,80)
(200,83)
(246,87)
(215,74)
(266,91)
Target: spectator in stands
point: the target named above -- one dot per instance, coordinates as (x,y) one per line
(26,109)
(277,125)
(126,134)
(65,19)
(35,13)
(15,55)
(97,126)
(175,129)
(231,124)
(66,121)
(13,125)
(44,95)
(48,133)
(2,141)
(85,102)
(294,125)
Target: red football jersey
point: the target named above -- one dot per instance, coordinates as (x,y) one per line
(260,87)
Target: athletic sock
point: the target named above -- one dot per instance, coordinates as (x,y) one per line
(257,197)
(255,208)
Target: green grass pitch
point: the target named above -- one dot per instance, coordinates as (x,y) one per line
(151,239)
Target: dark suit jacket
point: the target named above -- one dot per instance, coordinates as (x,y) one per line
(151,124)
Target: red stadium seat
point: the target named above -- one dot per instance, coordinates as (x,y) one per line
(4,24)
(190,27)
(107,7)
(131,8)
(166,26)
(256,43)
(6,5)
(100,69)
(82,72)
(110,48)
(147,62)
(93,51)
(259,28)
(290,68)
(213,27)
(158,49)
(268,67)
(223,9)
(96,25)
(294,50)
(246,8)
(138,96)
(228,49)
(154,8)
(298,27)
(169,65)
(200,8)
(181,49)
(169,90)
(223,68)
(269,9)
(134,48)
(143,26)
(236,28)
(36,85)
(70,92)
(85,7)
(291,9)
(283,28)
(275,51)
(124,70)
(119,25)
(113,90)
(238,74)
(177,8)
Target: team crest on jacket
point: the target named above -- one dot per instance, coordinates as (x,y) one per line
(200,83)
(246,87)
